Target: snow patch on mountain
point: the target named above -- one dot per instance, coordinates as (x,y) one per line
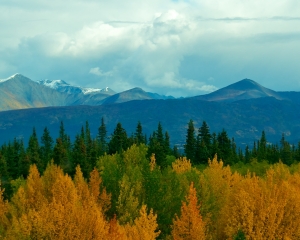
(90,90)
(11,77)
(62,86)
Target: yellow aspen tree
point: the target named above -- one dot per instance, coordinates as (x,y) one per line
(4,208)
(216,183)
(144,227)
(181,165)
(190,225)
(101,197)
(264,208)
(34,189)
(81,185)
(116,231)
(31,195)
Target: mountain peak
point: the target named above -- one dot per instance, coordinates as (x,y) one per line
(243,89)
(245,84)
(16,75)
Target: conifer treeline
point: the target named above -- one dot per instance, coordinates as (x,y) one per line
(200,145)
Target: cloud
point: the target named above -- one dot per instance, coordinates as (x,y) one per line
(97,71)
(179,47)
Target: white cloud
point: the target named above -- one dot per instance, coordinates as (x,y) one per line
(97,71)
(163,46)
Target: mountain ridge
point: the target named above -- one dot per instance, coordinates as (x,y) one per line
(16,89)
(18,92)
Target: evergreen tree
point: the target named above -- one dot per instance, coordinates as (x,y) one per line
(33,151)
(11,157)
(214,145)
(3,169)
(224,145)
(62,134)
(234,156)
(119,140)
(167,147)
(262,147)
(24,161)
(139,136)
(285,152)
(157,145)
(89,144)
(190,146)
(60,156)
(79,156)
(203,144)
(102,138)
(46,150)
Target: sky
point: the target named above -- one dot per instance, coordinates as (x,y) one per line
(180,47)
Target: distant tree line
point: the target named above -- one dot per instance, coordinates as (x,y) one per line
(201,144)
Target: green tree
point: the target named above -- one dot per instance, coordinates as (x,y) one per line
(285,151)
(60,156)
(33,151)
(224,145)
(262,147)
(190,146)
(46,150)
(138,135)
(157,145)
(79,156)
(203,144)
(119,140)
(102,138)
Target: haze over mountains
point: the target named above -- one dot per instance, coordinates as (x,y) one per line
(244,109)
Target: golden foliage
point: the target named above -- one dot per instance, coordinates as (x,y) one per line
(3,212)
(216,184)
(264,208)
(144,227)
(190,224)
(66,210)
(181,165)
(101,197)
(152,163)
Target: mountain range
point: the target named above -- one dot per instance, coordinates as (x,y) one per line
(244,109)
(19,92)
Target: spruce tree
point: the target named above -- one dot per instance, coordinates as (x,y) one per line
(285,152)
(79,156)
(24,161)
(224,145)
(190,146)
(203,144)
(119,140)
(262,147)
(33,151)
(158,146)
(60,156)
(102,138)
(138,135)
(46,150)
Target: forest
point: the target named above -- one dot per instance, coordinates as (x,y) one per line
(137,187)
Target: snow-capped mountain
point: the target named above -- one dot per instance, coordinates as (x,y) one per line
(18,92)
(62,86)
(11,77)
